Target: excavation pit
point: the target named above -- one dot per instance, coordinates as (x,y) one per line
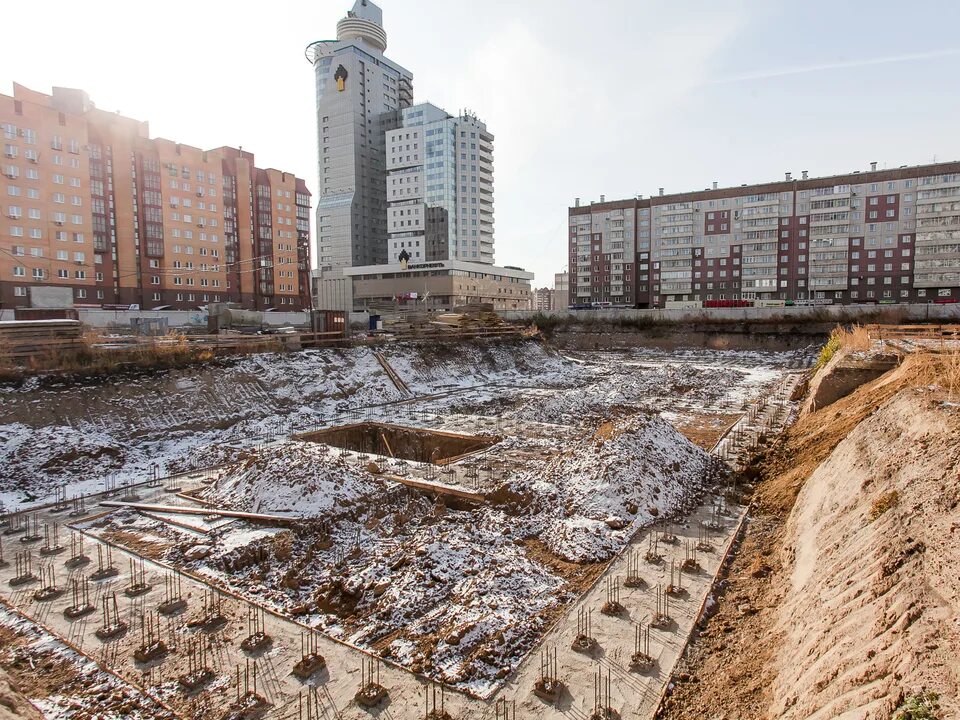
(407,443)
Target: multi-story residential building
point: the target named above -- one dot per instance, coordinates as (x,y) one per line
(872,236)
(561,291)
(543,299)
(90,202)
(359,95)
(601,252)
(439,187)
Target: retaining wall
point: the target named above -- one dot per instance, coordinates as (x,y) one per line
(838,313)
(176,318)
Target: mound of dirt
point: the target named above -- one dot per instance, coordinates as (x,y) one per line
(843,598)
(591,499)
(13,705)
(872,596)
(301,479)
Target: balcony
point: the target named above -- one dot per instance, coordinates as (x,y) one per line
(754,222)
(945,222)
(936,279)
(925,212)
(937,237)
(845,207)
(837,191)
(839,231)
(831,223)
(930,197)
(837,283)
(762,202)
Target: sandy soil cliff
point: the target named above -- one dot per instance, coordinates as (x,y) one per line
(871,596)
(844,598)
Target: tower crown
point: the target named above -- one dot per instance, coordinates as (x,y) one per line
(364,22)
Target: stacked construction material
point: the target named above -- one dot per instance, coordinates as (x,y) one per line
(24,339)
(472,317)
(404,321)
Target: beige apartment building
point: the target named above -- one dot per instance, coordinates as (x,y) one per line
(871,236)
(90,202)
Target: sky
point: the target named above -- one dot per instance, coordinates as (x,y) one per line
(609,97)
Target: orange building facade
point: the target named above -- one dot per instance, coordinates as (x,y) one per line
(89,201)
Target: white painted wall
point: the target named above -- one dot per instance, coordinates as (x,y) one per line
(176,318)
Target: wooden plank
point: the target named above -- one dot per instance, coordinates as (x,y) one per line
(181,510)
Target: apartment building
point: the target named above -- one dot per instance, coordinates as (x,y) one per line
(881,236)
(359,96)
(439,187)
(91,202)
(543,299)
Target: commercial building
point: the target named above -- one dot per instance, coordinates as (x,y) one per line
(443,284)
(872,236)
(90,202)
(439,187)
(561,291)
(359,95)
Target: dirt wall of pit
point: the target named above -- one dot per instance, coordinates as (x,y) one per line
(871,585)
(13,705)
(730,336)
(843,374)
(843,597)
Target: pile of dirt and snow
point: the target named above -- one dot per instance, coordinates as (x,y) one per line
(300,479)
(128,424)
(61,682)
(660,387)
(461,595)
(453,594)
(451,365)
(49,454)
(588,502)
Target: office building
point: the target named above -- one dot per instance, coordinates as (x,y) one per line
(439,187)
(441,285)
(873,236)
(360,94)
(90,202)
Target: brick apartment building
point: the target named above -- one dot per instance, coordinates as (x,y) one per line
(875,236)
(90,202)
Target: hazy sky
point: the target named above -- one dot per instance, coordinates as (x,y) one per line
(613,97)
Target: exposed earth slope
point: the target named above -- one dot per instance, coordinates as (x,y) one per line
(844,599)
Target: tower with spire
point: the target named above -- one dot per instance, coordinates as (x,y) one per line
(360,94)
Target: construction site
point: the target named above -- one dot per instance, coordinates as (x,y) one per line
(464,518)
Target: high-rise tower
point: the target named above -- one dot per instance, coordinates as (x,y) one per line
(360,94)
(439,187)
